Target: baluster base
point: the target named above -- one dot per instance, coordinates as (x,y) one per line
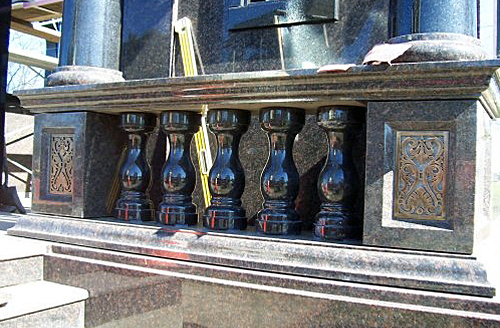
(172,212)
(225,214)
(333,222)
(278,218)
(218,218)
(134,206)
(224,219)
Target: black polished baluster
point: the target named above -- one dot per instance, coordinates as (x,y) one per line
(178,174)
(279,182)
(338,182)
(227,178)
(134,202)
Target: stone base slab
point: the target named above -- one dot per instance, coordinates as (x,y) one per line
(121,284)
(457,274)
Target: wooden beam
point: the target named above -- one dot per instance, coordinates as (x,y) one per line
(42,14)
(17,6)
(33,59)
(39,31)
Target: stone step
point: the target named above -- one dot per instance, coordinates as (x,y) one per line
(21,260)
(21,270)
(43,304)
(6,223)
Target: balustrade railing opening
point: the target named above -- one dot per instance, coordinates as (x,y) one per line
(336,186)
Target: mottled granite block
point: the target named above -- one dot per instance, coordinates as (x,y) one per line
(21,270)
(425,174)
(146,43)
(43,304)
(116,292)
(199,295)
(360,25)
(75,160)
(68,316)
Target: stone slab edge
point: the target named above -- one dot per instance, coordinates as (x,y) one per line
(457,274)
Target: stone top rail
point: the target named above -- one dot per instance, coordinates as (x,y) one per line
(300,88)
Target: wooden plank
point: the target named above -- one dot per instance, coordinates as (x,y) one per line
(37,11)
(57,6)
(35,14)
(33,59)
(39,31)
(44,3)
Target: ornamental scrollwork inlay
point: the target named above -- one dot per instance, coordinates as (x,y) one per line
(421,169)
(61,164)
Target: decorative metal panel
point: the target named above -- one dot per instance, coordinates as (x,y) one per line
(61,164)
(421,170)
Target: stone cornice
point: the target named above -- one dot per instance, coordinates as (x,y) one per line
(304,88)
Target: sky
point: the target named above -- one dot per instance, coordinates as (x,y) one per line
(20,76)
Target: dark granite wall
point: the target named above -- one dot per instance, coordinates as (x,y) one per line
(361,24)
(146,38)
(146,42)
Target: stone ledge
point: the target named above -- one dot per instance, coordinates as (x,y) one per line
(84,265)
(304,88)
(442,272)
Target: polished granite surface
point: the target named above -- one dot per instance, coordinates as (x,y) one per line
(197,295)
(146,43)
(226,48)
(297,255)
(300,88)
(299,40)
(173,290)
(91,33)
(451,228)
(68,178)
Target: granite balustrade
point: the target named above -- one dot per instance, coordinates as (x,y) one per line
(337,183)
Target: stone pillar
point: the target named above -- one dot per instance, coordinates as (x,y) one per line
(436,29)
(134,203)
(426,167)
(227,178)
(338,181)
(279,182)
(75,162)
(90,43)
(178,175)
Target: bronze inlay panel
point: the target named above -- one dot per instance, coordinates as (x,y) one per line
(61,164)
(421,169)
